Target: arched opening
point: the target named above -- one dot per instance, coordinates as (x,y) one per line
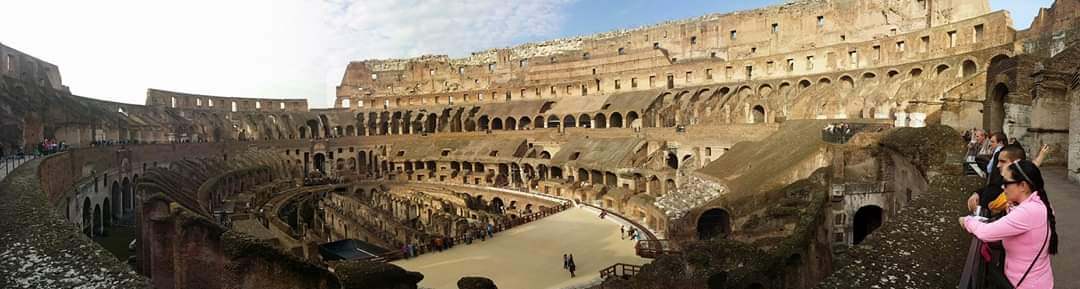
(714,224)
(631,117)
(128,200)
(653,186)
(320,163)
(553,122)
(98,229)
(995,118)
(867,219)
(106,213)
(616,120)
(569,121)
(483,123)
(758,114)
(600,120)
(496,124)
(430,123)
(969,68)
(511,123)
(117,194)
(804,83)
(524,123)
(915,72)
(940,69)
(87,218)
(672,160)
(585,121)
(313,127)
(497,205)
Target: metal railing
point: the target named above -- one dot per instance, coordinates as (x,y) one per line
(655,248)
(9,164)
(619,270)
(469,237)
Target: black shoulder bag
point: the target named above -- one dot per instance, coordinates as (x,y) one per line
(1003,282)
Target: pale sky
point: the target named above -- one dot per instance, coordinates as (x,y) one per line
(116,49)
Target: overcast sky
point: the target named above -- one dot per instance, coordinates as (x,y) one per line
(116,49)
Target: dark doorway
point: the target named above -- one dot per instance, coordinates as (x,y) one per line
(320,163)
(996,110)
(867,219)
(714,223)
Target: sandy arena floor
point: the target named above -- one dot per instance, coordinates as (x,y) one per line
(530,256)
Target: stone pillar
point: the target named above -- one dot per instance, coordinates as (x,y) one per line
(918,119)
(901,119)
(1074,135)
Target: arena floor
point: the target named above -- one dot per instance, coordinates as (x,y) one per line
(530,256)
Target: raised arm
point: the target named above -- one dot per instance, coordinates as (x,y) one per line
(1045,150)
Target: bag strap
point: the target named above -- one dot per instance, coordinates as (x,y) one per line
(1036,257)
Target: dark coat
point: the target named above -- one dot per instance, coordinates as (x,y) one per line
(994,180)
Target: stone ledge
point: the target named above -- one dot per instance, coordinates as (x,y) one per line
(39,250)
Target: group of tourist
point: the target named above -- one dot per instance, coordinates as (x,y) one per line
(837,132)
(440,243)
(633,233)
(569,265)
(49,146)
(1011,215)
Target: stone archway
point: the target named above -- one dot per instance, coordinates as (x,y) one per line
(127,191)
(87,218)
(714,223)
(758,114)
(867,219)
(995,111)
(97,227)
(117,194)
(320,163)
(497,205)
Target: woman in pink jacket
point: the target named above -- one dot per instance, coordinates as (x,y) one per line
(1027,232)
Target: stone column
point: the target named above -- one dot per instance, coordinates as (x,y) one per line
(901,119)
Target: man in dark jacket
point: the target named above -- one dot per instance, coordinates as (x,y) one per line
(994,180)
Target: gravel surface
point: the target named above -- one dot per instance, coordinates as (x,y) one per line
(922,246)
(39,250)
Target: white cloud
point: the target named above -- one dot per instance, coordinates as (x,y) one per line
(254,48)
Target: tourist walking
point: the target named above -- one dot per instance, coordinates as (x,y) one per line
(622,232)
(571,266)
(565,262)
(1028,232)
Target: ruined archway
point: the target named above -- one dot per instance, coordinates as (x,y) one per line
(106,212)
(320,163)
(97,228)
(497,205)
(995,111)
(616,120)
(758,114)
(87,218)
(867,219)
(672,160)
(969,68)
(714,224)
(128,204)
(117,194)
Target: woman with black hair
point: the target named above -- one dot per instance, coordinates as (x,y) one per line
(1027,232)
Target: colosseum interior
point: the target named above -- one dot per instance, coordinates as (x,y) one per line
(704,136)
